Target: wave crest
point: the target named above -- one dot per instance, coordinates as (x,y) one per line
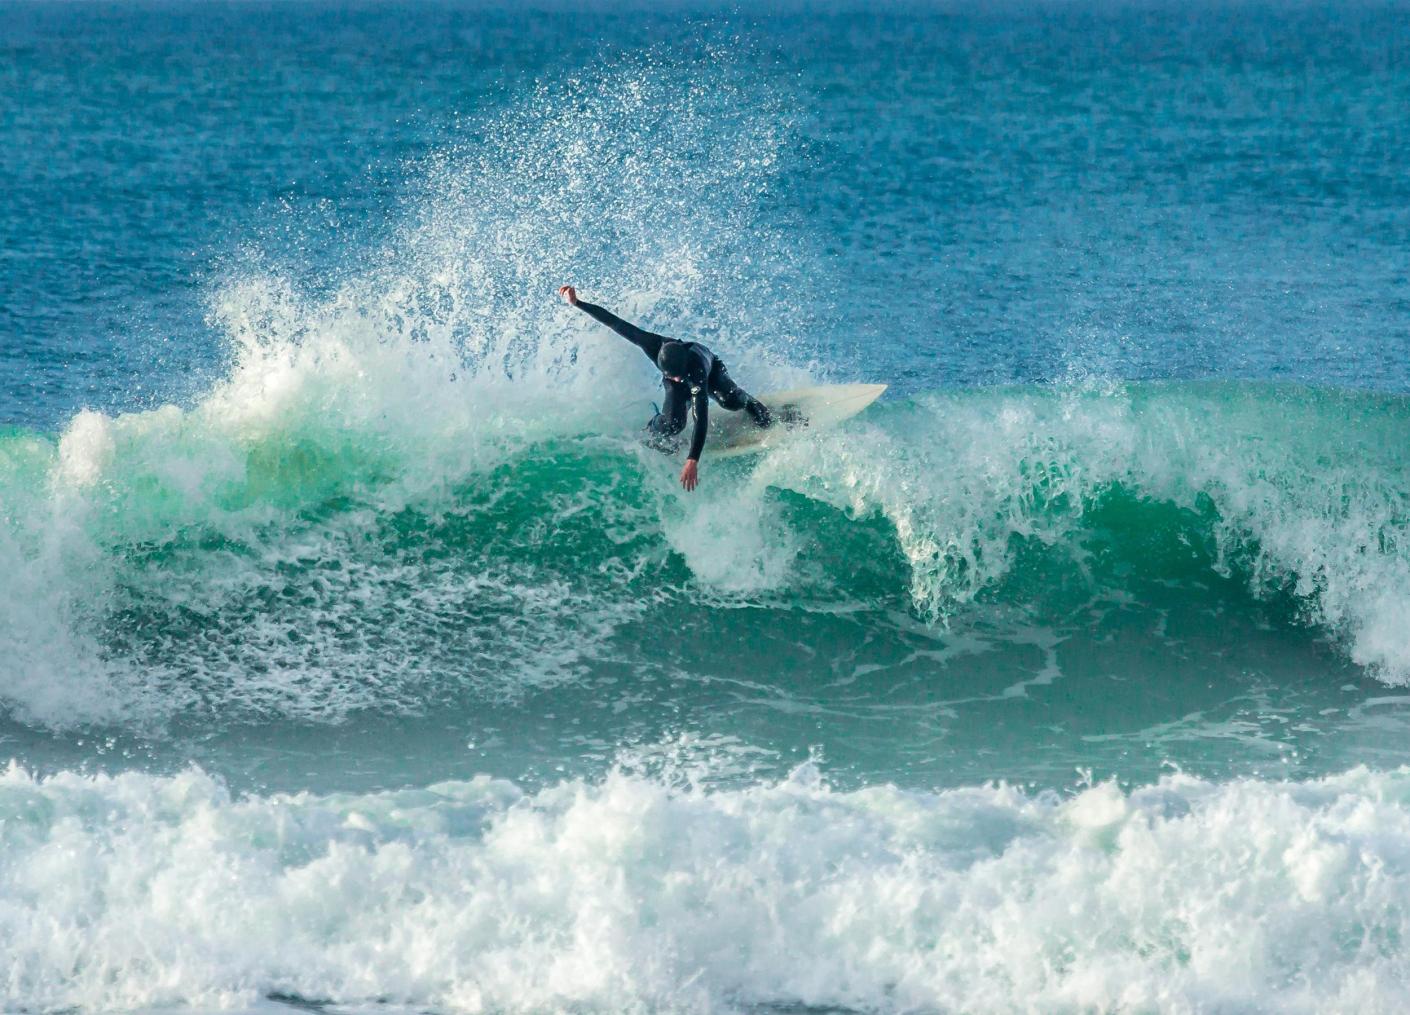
(163,563)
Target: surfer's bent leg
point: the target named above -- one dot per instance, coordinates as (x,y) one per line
(666,425)
(734,398)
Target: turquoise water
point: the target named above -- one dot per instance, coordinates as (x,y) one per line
(354,653)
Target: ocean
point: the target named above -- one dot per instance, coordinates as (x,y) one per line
(355,655)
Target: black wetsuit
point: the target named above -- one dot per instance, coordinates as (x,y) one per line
(705,375)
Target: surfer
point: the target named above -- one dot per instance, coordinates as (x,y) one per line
(691,375)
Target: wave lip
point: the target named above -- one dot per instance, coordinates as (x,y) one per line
(631,895)
(1300,492)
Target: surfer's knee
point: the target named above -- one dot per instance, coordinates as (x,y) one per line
(662,425)
(732,398)
(667,444)
(661,433)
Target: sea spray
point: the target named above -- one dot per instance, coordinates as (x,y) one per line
(390,385)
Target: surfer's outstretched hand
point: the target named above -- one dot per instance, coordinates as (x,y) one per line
(569,293)
(690,475)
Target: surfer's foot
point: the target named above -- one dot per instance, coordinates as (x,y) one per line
(790,416)
(758,412)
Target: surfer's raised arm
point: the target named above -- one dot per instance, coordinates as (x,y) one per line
(643,340)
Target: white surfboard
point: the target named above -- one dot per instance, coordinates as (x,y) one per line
(799,412)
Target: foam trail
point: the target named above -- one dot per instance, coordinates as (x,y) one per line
(631,895)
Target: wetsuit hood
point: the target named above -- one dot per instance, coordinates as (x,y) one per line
(673,359)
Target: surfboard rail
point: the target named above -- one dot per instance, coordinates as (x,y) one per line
(801,409)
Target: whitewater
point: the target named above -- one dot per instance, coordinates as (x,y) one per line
(355,655)
(629,894)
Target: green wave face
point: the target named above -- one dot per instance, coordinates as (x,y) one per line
(194,569)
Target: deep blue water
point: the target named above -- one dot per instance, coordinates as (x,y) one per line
(353,652)
(981,196)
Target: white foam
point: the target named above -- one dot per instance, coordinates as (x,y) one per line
(85,449)
(631,895)
(730,535)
